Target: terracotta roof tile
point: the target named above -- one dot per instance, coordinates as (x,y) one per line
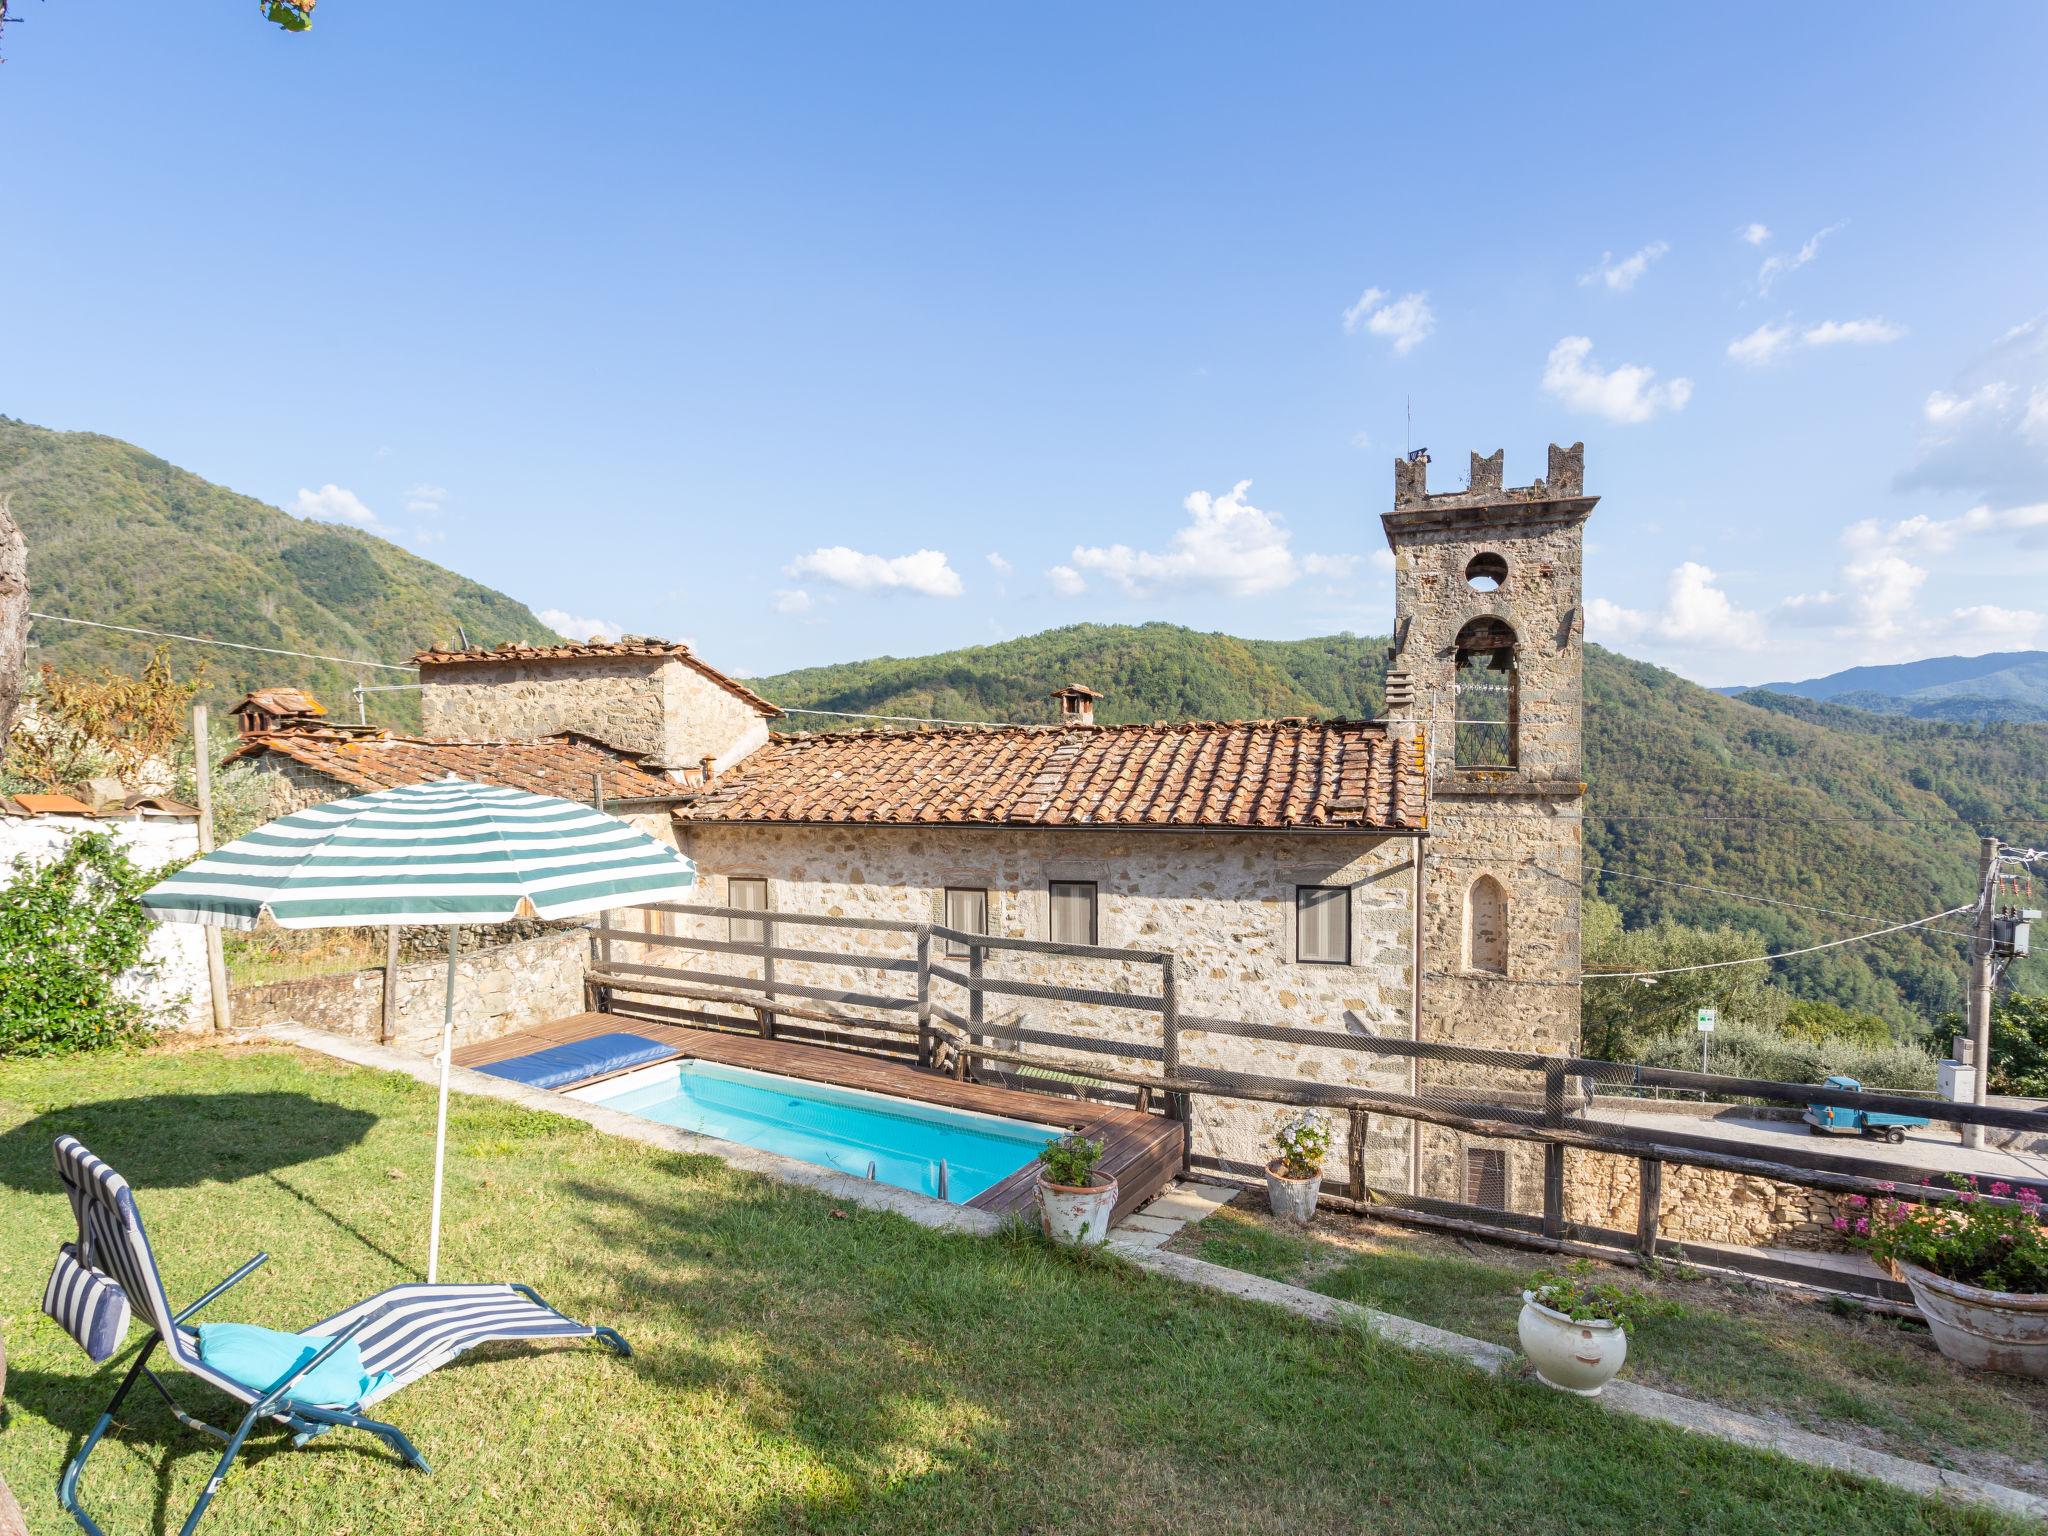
(1254,774)
(568,650)
(280,700)
(551,765)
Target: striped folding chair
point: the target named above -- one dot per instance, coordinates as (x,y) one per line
(403,1333)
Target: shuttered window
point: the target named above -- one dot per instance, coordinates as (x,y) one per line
(1073,911)
(753,895)
(1486,1178)
(966,910)
(1322,924)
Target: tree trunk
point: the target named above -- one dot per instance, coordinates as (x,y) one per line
(13,620)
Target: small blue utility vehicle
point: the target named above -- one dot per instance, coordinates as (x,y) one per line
(1868,1122)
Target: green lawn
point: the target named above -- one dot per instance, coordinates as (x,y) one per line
(1857,1375)
(800,1366)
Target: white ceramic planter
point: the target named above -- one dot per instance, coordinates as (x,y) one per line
(1988,1330)
(1068,1214)
(1573,1357)
(1292,1199)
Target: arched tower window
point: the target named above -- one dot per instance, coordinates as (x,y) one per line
(1487,698)
(1486,926)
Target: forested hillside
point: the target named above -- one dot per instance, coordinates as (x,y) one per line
(119,535)
(1811,804)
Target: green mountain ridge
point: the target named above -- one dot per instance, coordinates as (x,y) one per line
(1799,800)
(120,536)
(1803,802)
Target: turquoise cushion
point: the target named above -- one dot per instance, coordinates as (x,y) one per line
(259,1358)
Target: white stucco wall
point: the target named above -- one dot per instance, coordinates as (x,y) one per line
(179,987)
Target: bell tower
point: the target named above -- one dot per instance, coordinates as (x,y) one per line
(1488,664)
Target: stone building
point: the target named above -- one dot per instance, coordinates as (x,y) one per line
(1416,877)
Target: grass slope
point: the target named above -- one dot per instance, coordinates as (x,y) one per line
(1802,801)
(799,1367)
(119,535)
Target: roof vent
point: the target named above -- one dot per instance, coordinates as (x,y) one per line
(1077,704)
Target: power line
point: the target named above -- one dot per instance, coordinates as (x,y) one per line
(232,645)
(1717,965)
(1768,901)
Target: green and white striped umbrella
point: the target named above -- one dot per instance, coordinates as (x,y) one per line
(445,852)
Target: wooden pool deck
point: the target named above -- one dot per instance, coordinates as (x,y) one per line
(1142,1152)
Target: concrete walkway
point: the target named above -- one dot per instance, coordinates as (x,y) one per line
(1139,1240)
(1937,1151)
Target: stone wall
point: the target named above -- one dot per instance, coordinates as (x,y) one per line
(1224,902)
(177,993)
(1701,1205)
(497,992)
(652,705)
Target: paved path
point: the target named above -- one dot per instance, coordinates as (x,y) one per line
(1937,1151)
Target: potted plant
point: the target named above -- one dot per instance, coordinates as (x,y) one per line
(1977,1268)
(1574,1327)
(1074,1205)
(1295,1177)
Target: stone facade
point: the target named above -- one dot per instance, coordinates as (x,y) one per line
(1701,1205)
(497,991)
(1223,902)
(656,705)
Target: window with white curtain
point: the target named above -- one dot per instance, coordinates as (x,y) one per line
(1322,924)
(967,911)
(1073,911)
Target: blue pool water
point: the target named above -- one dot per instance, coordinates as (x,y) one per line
(842,1128)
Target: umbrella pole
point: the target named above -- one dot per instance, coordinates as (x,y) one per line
(441,1115)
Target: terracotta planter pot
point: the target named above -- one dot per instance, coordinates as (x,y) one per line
(1572,1357)
(1292,1199)
(1987,1330)
(1075,1214)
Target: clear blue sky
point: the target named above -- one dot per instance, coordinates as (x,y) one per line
(813,332)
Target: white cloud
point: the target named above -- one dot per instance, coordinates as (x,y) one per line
(426,500)
(1404,321)
(1228,545)
(1328,565)
(1696,613)
(1830,333)
(1622,275)
(429,536)
(332,504)
(794,600)
(569,627)
(1361,439)
(925,570)
(1067,581)
(1755,234)
(1763,345)
(998,564)
(1769,342)
(1623,393)
(1775,267)
(1987,433)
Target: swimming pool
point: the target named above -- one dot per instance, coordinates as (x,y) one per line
(844,1128)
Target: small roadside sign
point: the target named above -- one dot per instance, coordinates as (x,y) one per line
(1708,1018)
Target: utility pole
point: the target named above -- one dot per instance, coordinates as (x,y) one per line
(1980,980)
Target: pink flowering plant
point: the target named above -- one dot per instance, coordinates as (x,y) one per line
(1999,1244)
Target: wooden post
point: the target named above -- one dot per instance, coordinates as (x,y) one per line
(1356,1149)
(1649,1203)
(1553,1189)
(202,778)
(768,976)
(977,1004)
(387,1022)
(924,994)
(601,941)
(1169,1019)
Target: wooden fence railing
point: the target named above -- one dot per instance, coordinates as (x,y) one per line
(1499,1095)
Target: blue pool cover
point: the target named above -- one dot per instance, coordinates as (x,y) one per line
(560,1064)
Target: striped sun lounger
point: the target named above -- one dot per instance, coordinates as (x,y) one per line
(407,1331)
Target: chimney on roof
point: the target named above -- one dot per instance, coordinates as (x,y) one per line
(708,766)
(1077,704)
